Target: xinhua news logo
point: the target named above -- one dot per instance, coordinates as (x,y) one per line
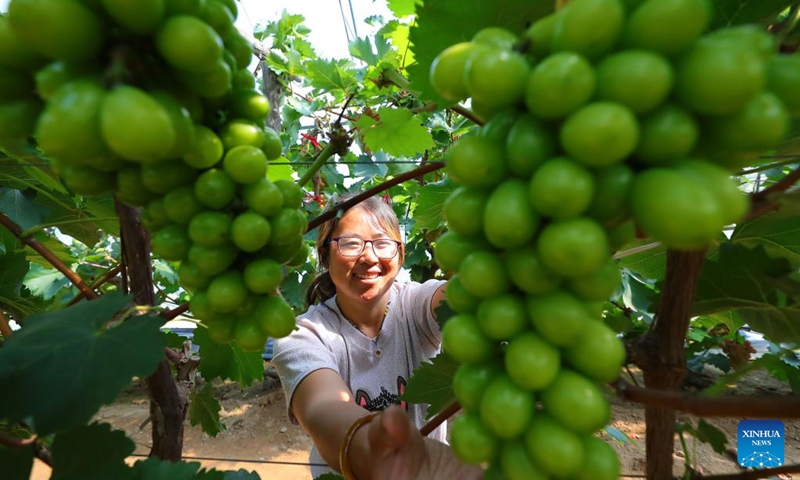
(761,443)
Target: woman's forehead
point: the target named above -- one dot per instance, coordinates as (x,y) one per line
(358,219)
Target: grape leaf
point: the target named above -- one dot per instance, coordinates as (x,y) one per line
(736,12)
(329,476)
(778,233)
(402,8)
(157,469)
(738,280)
(706,433)
(227,361)
(432,383)
(279,172)
(204,410)
(20,208)
(330,75)
(109,449)
(71,355)
(776,323)
(242,474)
(45,282)
(399,132)
(361,48)
(441,23)
(429,213)
(13,268)
(650,263)
(17,463)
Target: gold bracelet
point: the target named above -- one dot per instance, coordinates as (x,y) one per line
(359,422)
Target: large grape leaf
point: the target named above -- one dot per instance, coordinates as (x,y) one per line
(204,410)
(429,212)
(331,75)
(227,361)
(736,12)
(402,8)
(398,132)
(757,287)
(777,233)
(432,383)
(108,448)
(441,23)
(20,208)
(76,360)
(13,268)
(648,262)
(156,469)
(45,282)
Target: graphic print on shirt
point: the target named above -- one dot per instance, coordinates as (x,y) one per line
(384,399)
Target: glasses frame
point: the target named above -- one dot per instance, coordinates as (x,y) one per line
(372,245)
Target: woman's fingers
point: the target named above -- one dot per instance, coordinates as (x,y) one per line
(390,431)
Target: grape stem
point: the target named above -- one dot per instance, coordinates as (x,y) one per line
(440,417)
(73,277)
(417,172)
(746,406)
(322,157)
(392,76)
(102,281)
(764,202)
(5,328)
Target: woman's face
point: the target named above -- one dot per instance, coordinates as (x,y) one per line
(364,278)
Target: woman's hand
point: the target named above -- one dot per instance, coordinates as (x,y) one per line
(391,448)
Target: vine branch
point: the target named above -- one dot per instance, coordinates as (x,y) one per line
(73,277)
(102,281)
(448,412)
(324,217)
(763,201)
(5,328)
(750,406)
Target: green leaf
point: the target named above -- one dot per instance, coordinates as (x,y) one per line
(17,463)
(361,48)
(13,268)
(367,169)
(227,361)
(204,410)
(778,233)
(19,208)
(430,205)
(649,263)
(707,433)
(279,172)
(402,8)
(242,474)
(77,360)
(45,282)
(329,476)
(777,324)
(109,449)
(156,469)
(736,12)
(738,280)
(441,23)
(399,132)
(330,75)
(432,383)
(47,178)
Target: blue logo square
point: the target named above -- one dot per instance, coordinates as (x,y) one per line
(761,443)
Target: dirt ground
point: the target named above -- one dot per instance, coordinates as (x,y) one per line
(260,438)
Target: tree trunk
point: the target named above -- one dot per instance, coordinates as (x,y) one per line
(169,404)
(274,93)
(661,356)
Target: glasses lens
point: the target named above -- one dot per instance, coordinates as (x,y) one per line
(350,247)
(385,248)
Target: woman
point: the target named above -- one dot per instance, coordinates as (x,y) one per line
(353,353)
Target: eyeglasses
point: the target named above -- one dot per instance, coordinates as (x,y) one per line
(383,248)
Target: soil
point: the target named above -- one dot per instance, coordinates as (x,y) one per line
(258,436)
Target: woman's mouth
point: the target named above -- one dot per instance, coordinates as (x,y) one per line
(366,276)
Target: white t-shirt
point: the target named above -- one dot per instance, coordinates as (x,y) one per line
(375,370)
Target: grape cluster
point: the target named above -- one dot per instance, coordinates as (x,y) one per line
(604,118)
(153,101)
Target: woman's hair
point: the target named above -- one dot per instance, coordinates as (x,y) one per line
(379,214)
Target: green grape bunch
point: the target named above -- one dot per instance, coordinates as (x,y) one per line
(603,119)
(153,101)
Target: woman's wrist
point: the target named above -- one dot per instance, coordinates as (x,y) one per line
(350,443)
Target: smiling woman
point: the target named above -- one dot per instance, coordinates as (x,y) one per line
(353,352)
